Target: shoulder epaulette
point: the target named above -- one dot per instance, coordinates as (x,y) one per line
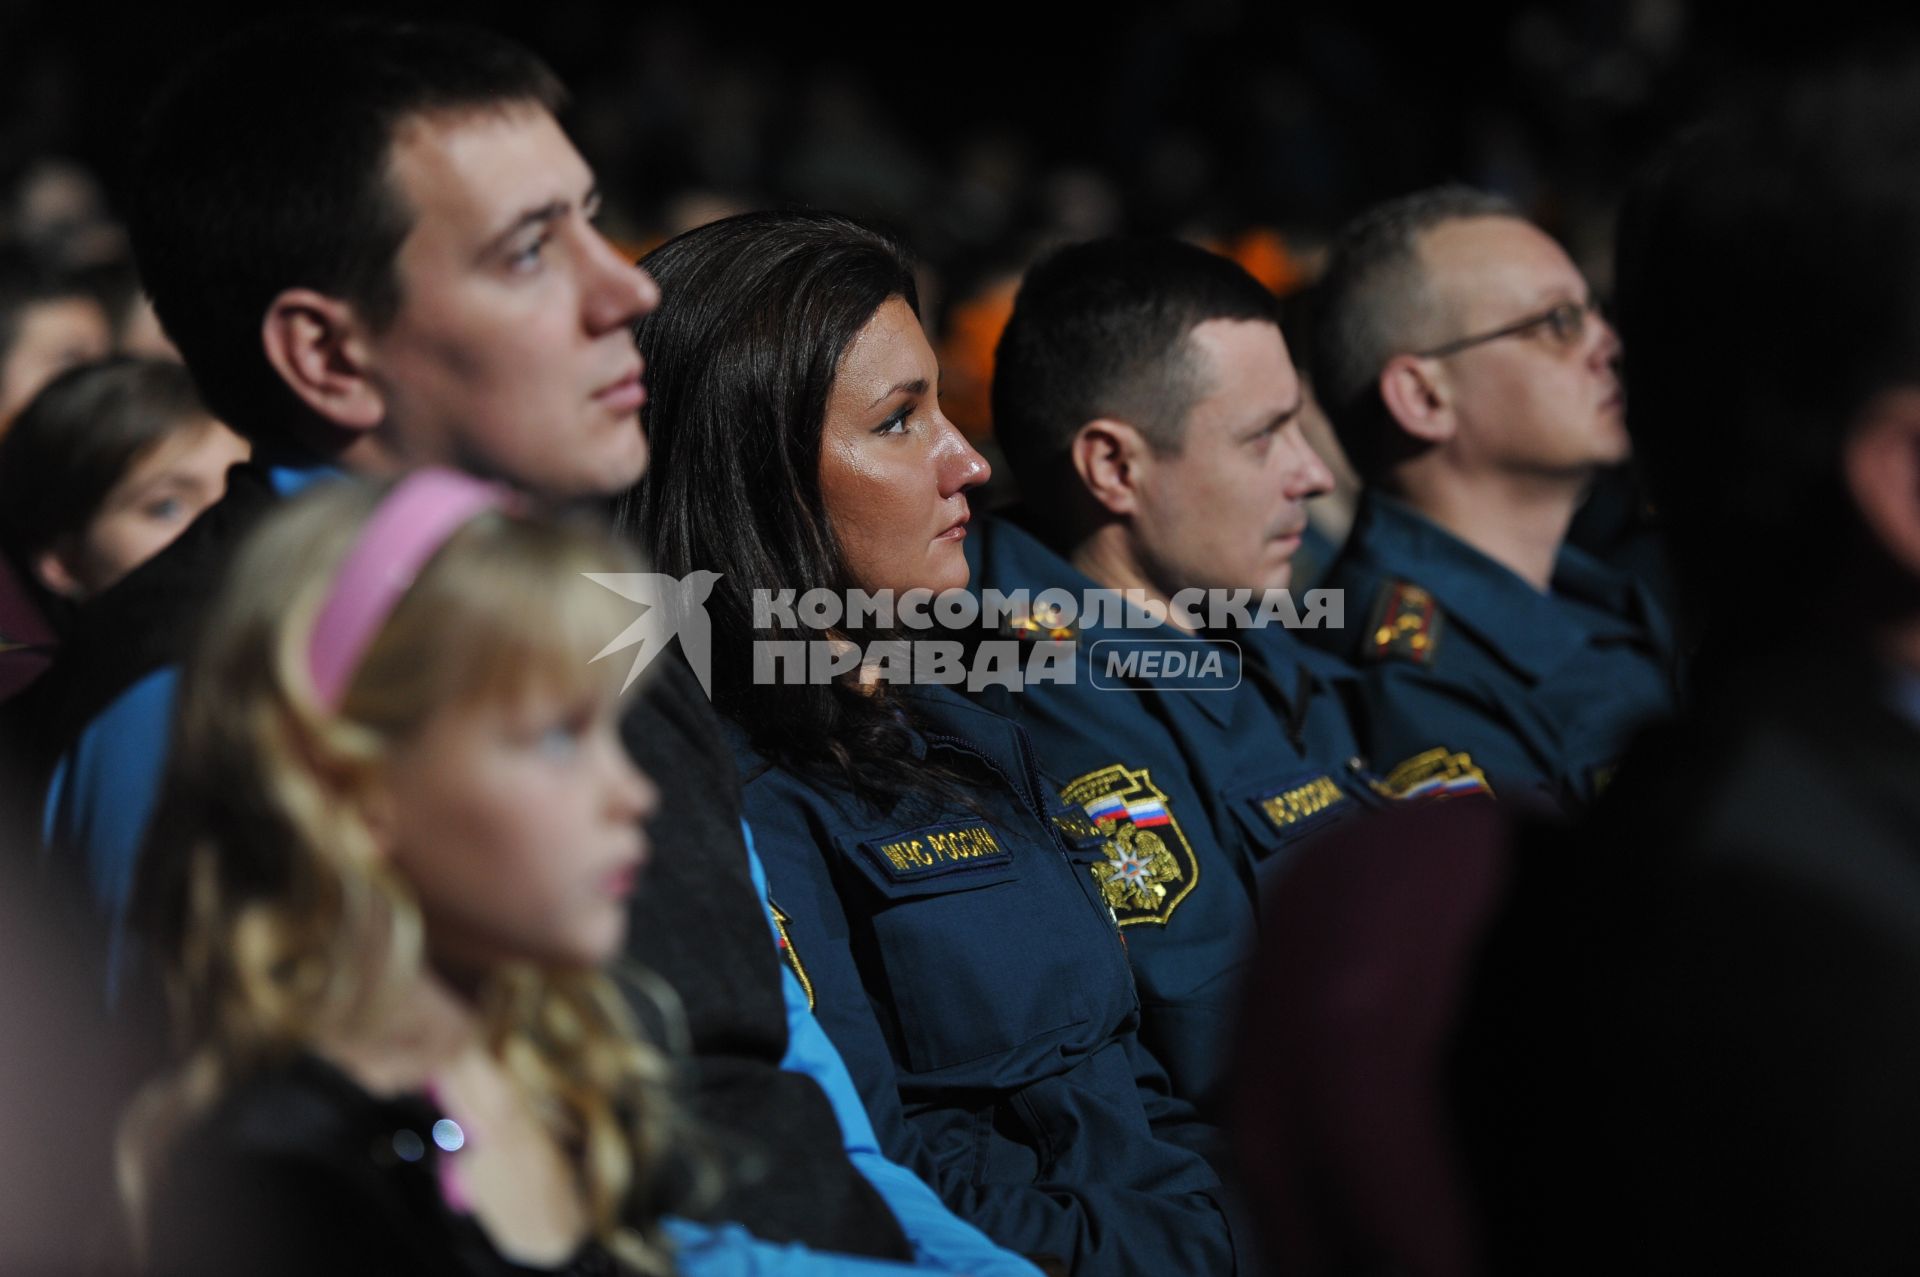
(1039,626)
(1405,624)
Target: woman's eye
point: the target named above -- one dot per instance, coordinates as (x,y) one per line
(166,508)
(896,424)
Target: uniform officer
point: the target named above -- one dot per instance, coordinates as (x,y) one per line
(934,893)
(1472,383)
(1144,398)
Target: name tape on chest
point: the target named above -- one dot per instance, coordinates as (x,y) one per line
(1299,804)
(937,849)
(1147,868)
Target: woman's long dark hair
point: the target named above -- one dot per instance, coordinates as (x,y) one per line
(740,357)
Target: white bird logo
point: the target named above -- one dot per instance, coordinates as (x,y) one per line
(673,606)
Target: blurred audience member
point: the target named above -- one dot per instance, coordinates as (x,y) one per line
(105,467)
(1461,359)
(48,323)
(1736,945)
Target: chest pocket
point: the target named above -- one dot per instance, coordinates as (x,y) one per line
(1281,812)
(975,962)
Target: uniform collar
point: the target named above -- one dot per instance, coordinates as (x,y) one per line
(1533,631)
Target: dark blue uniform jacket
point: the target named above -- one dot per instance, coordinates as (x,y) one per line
(970,972)
(1543,690)
(1205,791)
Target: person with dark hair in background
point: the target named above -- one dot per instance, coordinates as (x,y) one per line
(48,323)
(390,261)
(933,888)
(105,467)
(1147,404)
(1472,382)
(1732,945)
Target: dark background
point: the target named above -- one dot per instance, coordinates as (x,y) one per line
(982,131)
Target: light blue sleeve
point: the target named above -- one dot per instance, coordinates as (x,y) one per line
(103,794)
(941,1240)
(728,1250)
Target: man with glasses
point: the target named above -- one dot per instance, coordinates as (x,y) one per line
(1471,380)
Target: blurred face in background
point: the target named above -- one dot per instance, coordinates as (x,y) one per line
(49,338)
(165,489)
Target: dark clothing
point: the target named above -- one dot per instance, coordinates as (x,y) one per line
(1342,1115)
(700,925)
(963,960)
(1236,774)
(1544,691)
(300,1171)
(1714,993)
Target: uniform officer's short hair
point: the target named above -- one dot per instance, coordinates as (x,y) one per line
(264,167)
(1372,304)
(1100,330)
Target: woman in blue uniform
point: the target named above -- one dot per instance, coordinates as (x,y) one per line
(931,887)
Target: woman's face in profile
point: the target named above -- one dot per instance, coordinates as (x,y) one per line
(894,472)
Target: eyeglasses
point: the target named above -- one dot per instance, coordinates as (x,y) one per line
(1566,321)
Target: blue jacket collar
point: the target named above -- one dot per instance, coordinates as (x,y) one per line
(1535,632)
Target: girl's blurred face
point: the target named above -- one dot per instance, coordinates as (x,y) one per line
(153,503)
(894,472)
(520,827)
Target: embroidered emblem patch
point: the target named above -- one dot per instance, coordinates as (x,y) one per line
(1149,866)
(788,953)
(1405,623)
(1437,773)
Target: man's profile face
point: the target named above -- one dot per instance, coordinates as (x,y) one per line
(1227,509)
(1526,403)
(510,354)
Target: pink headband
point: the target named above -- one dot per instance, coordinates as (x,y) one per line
(413,521)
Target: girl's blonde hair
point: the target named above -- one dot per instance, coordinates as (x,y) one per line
(261,892)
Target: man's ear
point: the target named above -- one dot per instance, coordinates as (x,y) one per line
(1108,456)
(54,568)
(1881,460)
(1416,394)
(313,341)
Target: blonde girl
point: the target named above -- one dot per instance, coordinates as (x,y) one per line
(395,844)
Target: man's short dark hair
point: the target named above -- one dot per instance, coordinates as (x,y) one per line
(265,167)
(1101,330)
(1768,278)
(1373,303)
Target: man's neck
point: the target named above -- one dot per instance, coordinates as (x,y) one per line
(1520,522)
(1108,557)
